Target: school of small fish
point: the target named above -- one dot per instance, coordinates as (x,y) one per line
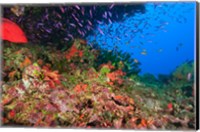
(137,31)
(66,22)
(102,24)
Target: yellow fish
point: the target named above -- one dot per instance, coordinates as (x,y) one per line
(143,52)
(17,10)
(136,61)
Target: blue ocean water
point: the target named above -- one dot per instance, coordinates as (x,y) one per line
(161,39)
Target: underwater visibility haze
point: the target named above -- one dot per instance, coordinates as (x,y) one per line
(122,66)
(161,38)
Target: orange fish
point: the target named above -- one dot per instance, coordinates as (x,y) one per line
(170,106)
(12,32)
(12,114)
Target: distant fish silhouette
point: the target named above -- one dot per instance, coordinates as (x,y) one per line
(160,50)
(62,9)
(144,53)
(189,75)
(179,46)
(136,61)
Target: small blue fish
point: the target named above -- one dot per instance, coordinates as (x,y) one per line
(135,30)
(111,6)
(79,31)
(99,22)
(48,30)
(46,16)
(125,14)
(70,36)
(109,13)
(126,34)
(77,7)
(58,15)
(56,25)
(80,24)
(94,8)
(72,24)
(67,39)
(101,32)
(110,21)
(89,23)
(104,43)
(117,16)
(40,24)
(91,13)
(83,33)
(60,24)
(117,38)
(105,14)
(83,11)
(110,36)
(19,19)
(88,28)
(165,23)
(142,36)
(62,9)
(75,17)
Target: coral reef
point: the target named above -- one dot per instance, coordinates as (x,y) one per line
(45,87)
